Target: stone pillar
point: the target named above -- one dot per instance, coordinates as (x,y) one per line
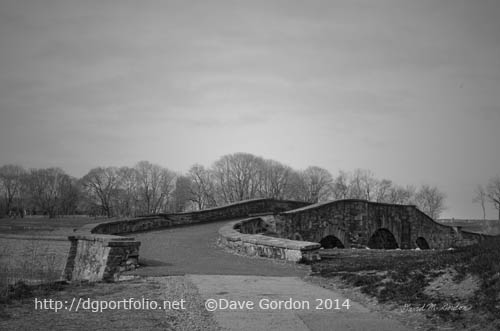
(100,257)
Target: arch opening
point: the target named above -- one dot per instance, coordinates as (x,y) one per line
(422,243)
(382,239)
(331,242)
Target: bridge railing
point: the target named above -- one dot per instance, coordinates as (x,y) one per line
(265,246)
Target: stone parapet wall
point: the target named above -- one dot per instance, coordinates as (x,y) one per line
(237,210)
(138,224)
(160,221)
(265,246)
(100,257)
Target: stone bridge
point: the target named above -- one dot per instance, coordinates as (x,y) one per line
(361,224)
(286,230)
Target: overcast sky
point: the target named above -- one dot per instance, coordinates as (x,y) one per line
(407,89)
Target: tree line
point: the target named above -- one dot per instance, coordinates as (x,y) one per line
(148,188)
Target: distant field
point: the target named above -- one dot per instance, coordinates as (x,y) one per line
(480,226)
(45,226)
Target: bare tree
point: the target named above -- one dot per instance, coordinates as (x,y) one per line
(317,184)
(127,196)
(401,195)
(430,200)
(70,196)
(480,197)
(100,186)
(11,181)
(383,190)
(155,186)
(362,185)
(493,193)
(47,188)
(238,176)
(275,178)
(296,187)
(181,196)
(202,187)
(340,187)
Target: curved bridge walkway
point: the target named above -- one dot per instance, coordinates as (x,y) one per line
(193,250)
(221,275)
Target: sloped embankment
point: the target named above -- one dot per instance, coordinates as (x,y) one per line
(460,286)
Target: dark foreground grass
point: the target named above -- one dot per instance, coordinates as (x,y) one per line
(20,290)
(22,313)
(400,277)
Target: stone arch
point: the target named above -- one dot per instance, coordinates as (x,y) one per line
(297,236)
(422,243)
(331,242)
(383,239)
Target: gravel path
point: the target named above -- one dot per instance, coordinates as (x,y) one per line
(285,303)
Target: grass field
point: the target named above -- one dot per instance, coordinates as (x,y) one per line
(36,225)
